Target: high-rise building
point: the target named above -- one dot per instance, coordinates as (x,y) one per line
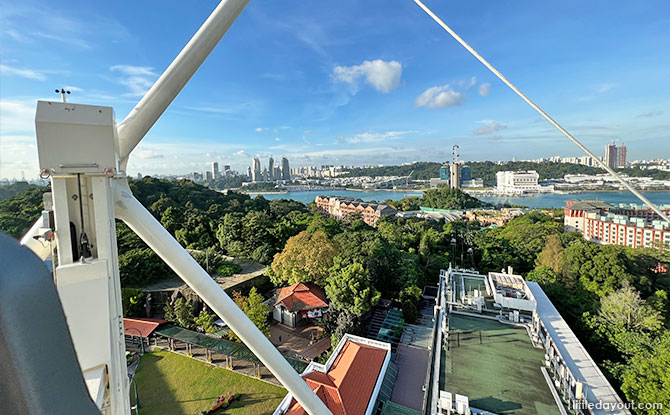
(256,170)
(621,155)
(215,170)
(466,173)
(226,170)
(271,169)
(285,169)
(615,157)
(611,158)
(206,175)
(444,172)
(249,172)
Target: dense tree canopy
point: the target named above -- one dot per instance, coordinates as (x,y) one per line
(20,211)
(445,197)
(253,307)
(615,298)
(348,288)
(307,257)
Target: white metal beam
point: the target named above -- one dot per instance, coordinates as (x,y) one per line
(141,118)
(143,223)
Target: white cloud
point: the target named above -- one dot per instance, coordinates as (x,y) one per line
(23,151)
(138,79)
(242,153)
(468,84)
(73,88)
(650,114)
(17,116)
(148,154)
(439,97)
(261,129)
(490,127)
(23,73)
(370,137)
(277,139)
(382,75)
(484,89)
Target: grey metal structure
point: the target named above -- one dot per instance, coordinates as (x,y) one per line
(39,371)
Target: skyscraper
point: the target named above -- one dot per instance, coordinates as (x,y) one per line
(256,170)
(226,170)
(615,157)
(444,172)
(215,170)
(466,173)
(621,155)
(285,169)
(271,169)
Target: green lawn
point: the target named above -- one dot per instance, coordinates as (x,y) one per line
(169,384)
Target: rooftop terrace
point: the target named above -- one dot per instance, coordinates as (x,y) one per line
(499,371)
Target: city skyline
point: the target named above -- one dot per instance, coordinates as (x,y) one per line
(287,79)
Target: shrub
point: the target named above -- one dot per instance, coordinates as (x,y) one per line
(227,269)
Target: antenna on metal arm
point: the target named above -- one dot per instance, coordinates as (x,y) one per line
(62,93)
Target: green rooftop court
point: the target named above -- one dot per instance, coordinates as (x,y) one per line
(496,367)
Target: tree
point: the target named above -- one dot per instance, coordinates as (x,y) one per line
(348,289)
(346,322)
(140,267)
(181,313)
(409,311)
(132,301)
(307,257)
(445,197)
(626,309)
(543,275)
(253,307)
(647,378)
(206,321)
(551,255)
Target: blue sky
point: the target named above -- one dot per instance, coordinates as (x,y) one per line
(347,82)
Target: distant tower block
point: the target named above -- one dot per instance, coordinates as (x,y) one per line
(215,170)
(615,156)
(285,169)
(256,170)
(271,169)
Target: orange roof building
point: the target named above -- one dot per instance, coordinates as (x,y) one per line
(350,380)
(141,327)
(297,302)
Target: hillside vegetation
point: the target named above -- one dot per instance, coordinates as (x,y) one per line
(615,298)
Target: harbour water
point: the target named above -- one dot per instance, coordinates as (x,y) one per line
(544,200)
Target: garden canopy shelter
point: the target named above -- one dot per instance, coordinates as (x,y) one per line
(222,346)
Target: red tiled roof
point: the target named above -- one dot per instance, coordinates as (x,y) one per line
(141,326)
(347,387)
(301,296)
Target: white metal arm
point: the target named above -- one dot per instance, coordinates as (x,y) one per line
(142,222)
(141,118)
